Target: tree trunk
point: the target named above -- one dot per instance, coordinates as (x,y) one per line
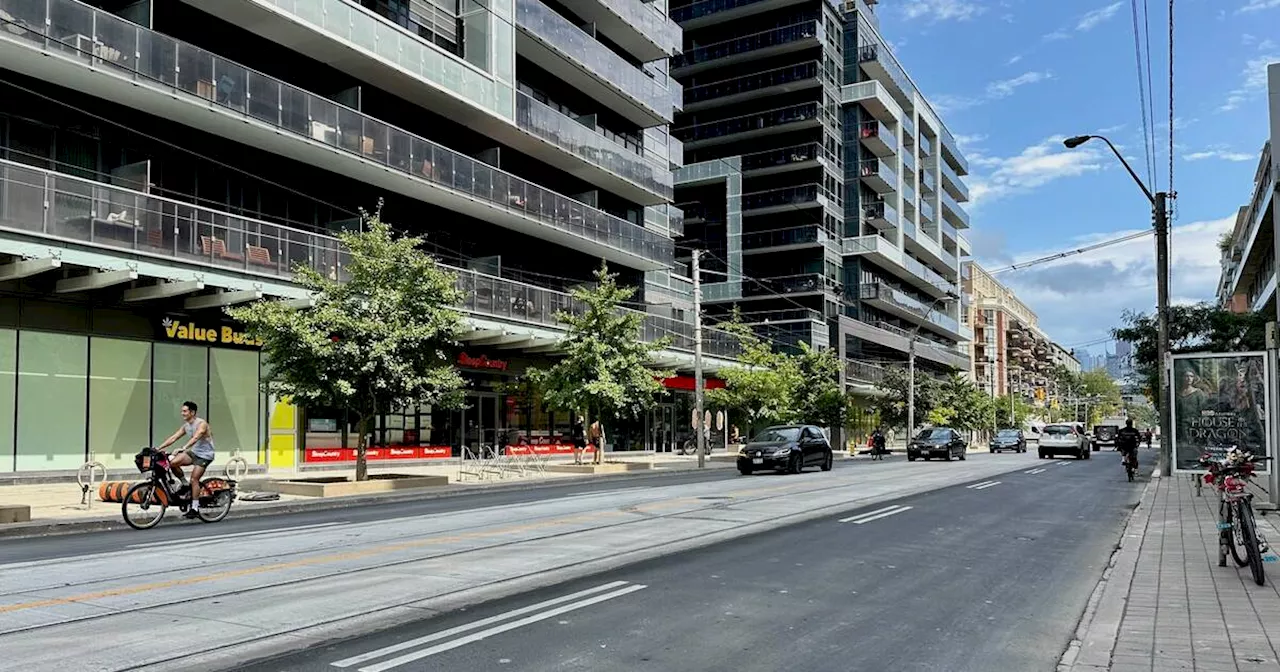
(362,445)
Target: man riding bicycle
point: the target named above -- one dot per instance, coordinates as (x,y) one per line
(877,443)
(1127,440)
(198,451)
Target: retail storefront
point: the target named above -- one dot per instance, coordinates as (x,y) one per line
(79,380)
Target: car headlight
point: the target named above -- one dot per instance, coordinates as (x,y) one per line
(781,451)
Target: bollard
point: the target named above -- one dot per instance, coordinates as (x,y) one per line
(85,479)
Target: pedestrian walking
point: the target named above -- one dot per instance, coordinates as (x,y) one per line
(579,438)
(596,437)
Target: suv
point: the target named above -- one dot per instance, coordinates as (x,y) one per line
(786,448)
(1063,439)
(942,442)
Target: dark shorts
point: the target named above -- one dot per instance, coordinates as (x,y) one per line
(197,460)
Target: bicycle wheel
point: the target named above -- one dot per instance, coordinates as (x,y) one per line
(1235,537)
(216,506)
(143,499)
(1249,530)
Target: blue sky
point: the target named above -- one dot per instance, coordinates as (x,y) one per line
(1010,78)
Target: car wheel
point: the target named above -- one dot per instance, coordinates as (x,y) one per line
(745,471)
(829,462)
(911,458)
(963,454)
(795,465)
(948,455)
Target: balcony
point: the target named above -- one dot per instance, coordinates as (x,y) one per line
(909,165)
(898,302)
(177,81)
(926,212)
(883,67)
(909,201)
(880,215)
(739,50)
(706,12)
(894,260)
(863,372)
(949,231)
(926,146)
(952,212)
(755,85)
(772,161)
(952,183)
(895,337)
(878,175)
(878,138)
(793,238)
(804,283)
(783,199)
(635,26)
(563,49)
(758,124)
(594,148)
(875,98)
(928,183)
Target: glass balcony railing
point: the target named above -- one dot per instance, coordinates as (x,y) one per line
(748,122)
(908,197)
(926,211)
(780,157)
(798,235)
(881,210)
(908,125)
(84,211)
(749,83)
(909,228)
(792,284)
(950,231)
(651,23)
(892,295)
(807,193)
(878,168)
(926,146)
(950,204)
(804,30)
(864,371)
(908,163)
(928,181)
(701,8)
(567,134)
(181,68)
(867,244)
(872,53)
(578,47)
(949,174)
(876,129)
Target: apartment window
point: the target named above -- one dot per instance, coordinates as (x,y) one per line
(433,20)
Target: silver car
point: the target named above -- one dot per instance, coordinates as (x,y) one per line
(1063,439)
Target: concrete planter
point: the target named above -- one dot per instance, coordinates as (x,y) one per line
(15,513)
(341,486)
(606,468)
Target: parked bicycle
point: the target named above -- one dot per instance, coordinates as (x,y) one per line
(161,489)
(1238,530)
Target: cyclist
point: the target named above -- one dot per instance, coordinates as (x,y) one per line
(1127,440)
(877,443)
(198,451)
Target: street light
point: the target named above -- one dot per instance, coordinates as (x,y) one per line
(911,365)
(1159,204)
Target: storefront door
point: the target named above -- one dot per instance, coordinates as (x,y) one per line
(483,419)
(662,425)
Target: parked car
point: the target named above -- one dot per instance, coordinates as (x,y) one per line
(1063,439)
(942,442)
(1009,439)
(786,448)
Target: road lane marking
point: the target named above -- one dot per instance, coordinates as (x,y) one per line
(886,514)
(497,630)
(979,486)
(984,486)
(868,513)
(1064,463)
(475,625)
(1036,471)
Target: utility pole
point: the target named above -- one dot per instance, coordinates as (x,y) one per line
(911,388)
(699,422)
(1162,311)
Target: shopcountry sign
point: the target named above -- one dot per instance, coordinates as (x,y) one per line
(482,362)
(546,449)
(379,454)
(189,331)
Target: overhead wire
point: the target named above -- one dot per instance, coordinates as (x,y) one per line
(1070,253)
(1151,94)
(1147,144)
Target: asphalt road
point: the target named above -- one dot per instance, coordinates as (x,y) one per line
(988,575)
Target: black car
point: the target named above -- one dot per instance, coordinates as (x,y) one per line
(786,448)
(942,442)
(1009,439)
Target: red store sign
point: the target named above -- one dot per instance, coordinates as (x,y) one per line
(481,362)
(390,453)
(690,383)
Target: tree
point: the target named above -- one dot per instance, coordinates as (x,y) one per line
(970,405)
(1201,327)
(1104,395)
(377,341)
(1021,410)
(892,404)
(817,396)
(606,368)
(762,388)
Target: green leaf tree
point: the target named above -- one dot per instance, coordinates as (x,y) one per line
(817,396)
(605,371)
(382,339)
(763,387)
(892,403)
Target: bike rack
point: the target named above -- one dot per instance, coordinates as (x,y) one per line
(240,469)
(85,479)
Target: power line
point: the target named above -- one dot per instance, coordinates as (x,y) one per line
(1069,253)
(1147,137)
(1151,92)
(1172,193)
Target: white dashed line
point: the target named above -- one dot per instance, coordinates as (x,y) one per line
(979,486)
(875,515)
(984,486)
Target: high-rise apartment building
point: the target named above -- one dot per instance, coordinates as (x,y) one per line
(824,188)
(162,160)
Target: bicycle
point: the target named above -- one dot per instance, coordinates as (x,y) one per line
(161,490)
(1238,529)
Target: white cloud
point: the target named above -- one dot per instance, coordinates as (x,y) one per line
(1081,297)
(1258,5)
(1253,83)
(969,141)
(1031,168)
(1218,153)
(1013,59)
(1056,35)
(1006,87)
(941,10)
(1098,16)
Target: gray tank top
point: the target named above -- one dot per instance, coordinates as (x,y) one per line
(202,448)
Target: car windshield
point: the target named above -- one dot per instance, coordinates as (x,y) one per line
(775,434)
(935,433)
(1007,434)
(1057,430)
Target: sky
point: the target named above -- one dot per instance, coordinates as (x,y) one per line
(1012,78)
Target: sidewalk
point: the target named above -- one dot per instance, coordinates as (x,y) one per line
(59,503)
(1165,604)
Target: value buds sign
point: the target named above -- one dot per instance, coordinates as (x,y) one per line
(1219,402)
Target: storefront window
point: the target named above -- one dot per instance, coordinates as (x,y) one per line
(119,399)
(53,376)
(233,402)
(181,374)
(8,383)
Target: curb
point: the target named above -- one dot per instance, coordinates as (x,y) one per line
(1099,626)
(115,522)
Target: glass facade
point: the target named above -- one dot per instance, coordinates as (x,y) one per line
(66,398)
